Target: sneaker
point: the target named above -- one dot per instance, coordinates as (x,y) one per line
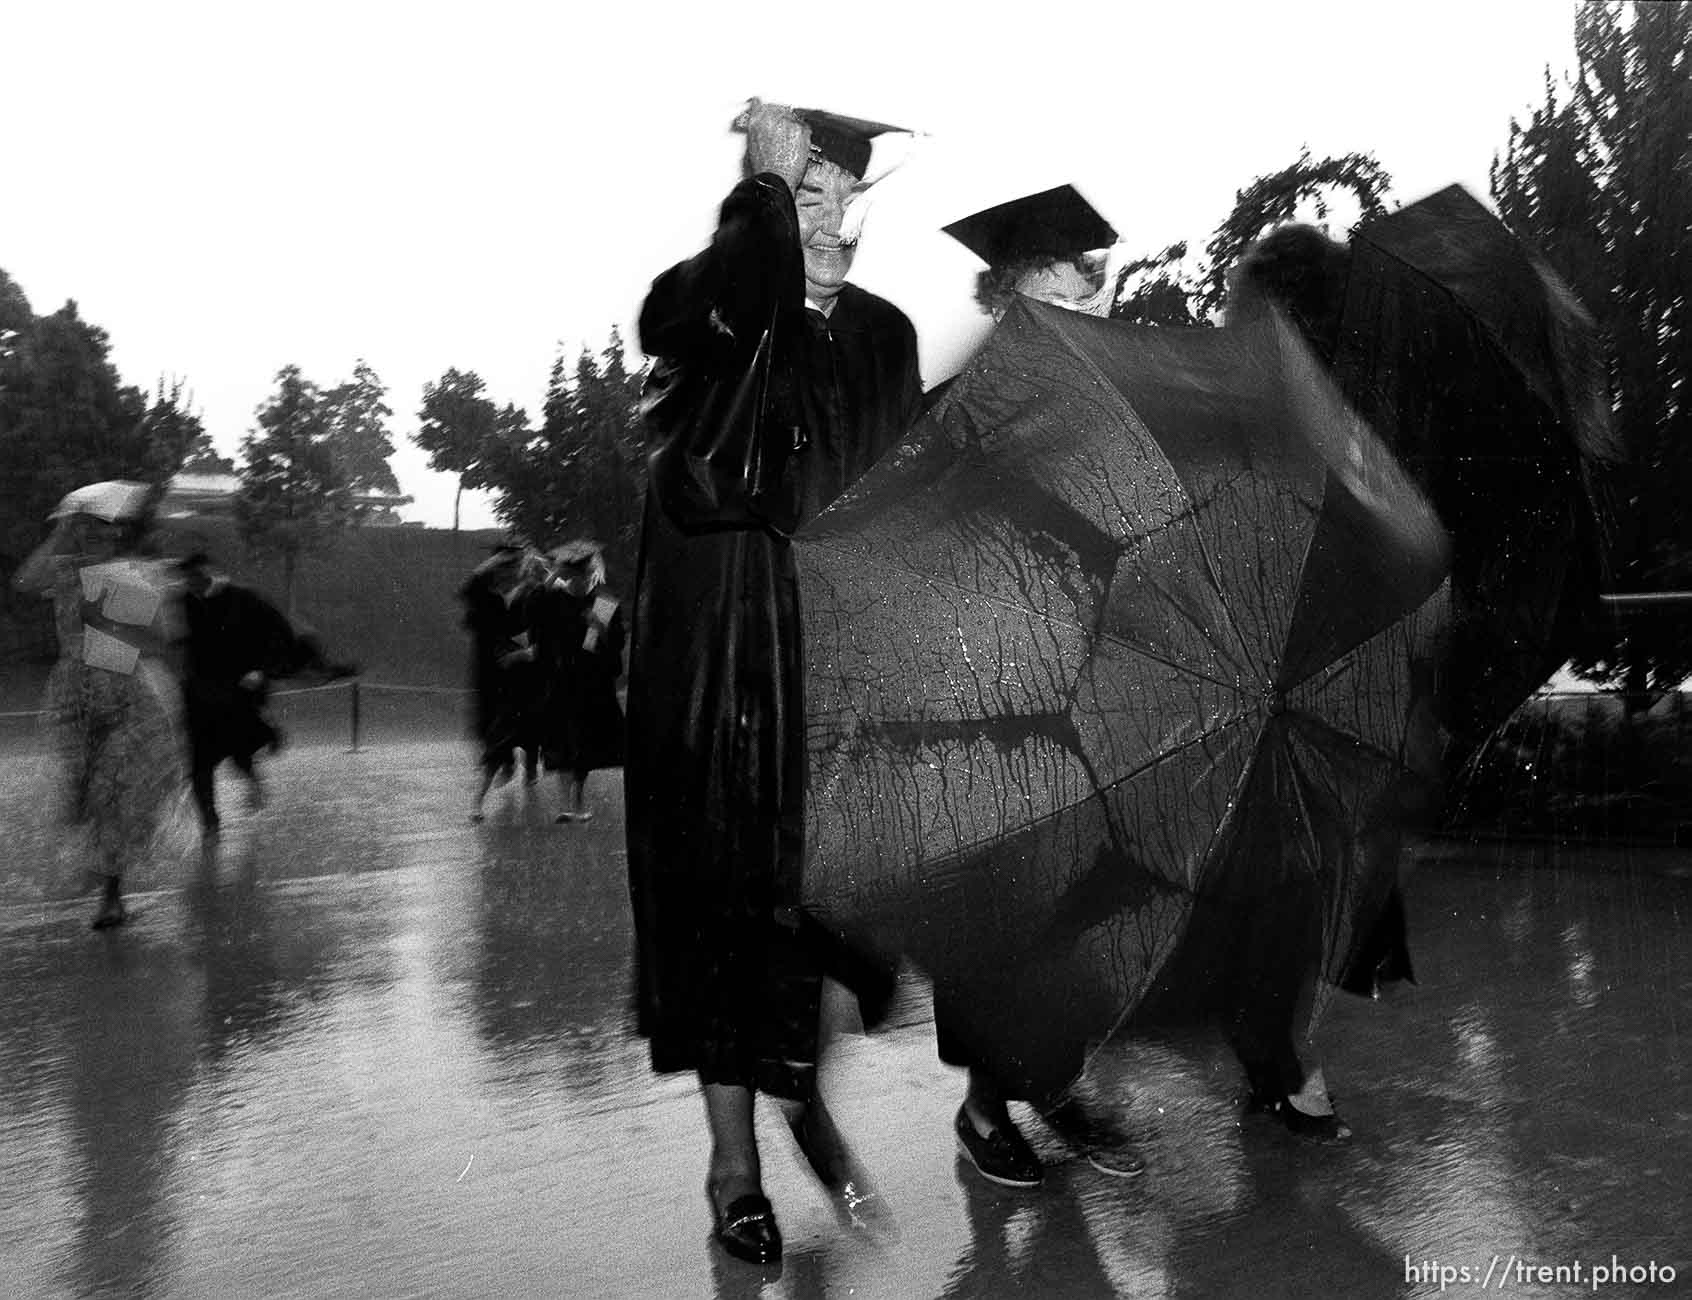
(1002,1157)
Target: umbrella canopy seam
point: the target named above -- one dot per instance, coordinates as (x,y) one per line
(1117,397)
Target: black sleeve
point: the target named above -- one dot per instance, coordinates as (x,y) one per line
(262,636)
(721,299)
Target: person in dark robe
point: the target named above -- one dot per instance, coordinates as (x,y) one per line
(729,971)
(505,699)
(235,641)
(578,633)
(1048,246)
(1503,472)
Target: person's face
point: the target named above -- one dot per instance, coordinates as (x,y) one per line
(96,539)
(1063,284)
(821,200)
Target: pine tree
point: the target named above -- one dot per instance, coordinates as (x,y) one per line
(1600,180)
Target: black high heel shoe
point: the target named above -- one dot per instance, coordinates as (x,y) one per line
(746,1227)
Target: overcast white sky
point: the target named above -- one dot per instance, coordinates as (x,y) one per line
(228,188)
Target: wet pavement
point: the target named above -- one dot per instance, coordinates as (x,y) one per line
(370,1049)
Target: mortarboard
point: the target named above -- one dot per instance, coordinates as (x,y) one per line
(844,140)
(1053,223)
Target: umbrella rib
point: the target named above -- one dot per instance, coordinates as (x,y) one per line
(1133,417)
(1320,680)
(1003,603)
(1099,791)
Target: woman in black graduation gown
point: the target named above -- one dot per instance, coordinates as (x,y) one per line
(578,635)
(729,972)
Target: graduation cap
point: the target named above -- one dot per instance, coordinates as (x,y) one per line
(844,140)
(1051,224)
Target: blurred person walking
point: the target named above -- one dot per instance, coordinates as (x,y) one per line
(235,642)
(111,703)
(503,676)
(578,633)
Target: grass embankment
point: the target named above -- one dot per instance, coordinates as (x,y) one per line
(385,599)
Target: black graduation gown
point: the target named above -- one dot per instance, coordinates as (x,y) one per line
(579,649)
(231,631)
(491,624)
(715,771)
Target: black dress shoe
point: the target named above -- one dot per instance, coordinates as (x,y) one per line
(1002,1157)
(747,1229)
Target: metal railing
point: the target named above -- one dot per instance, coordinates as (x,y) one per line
(358,689)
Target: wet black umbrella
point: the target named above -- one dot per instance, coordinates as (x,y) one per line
(1124,625)
(1480,369)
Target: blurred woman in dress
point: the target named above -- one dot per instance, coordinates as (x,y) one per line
(111,705)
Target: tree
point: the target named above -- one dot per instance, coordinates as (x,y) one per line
(358,435)
(1160,290)
(204,458)
(1275,199)
(609,452)
(171,431)
(1601,181)
(462,431)
(1156,291)
(293,495)
(66,418)
(580,474)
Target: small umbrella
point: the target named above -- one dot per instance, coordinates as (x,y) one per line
(1123,625)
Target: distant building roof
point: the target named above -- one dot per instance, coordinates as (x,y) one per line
(207,492)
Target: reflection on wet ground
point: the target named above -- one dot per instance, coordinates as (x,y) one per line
(367,1048)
